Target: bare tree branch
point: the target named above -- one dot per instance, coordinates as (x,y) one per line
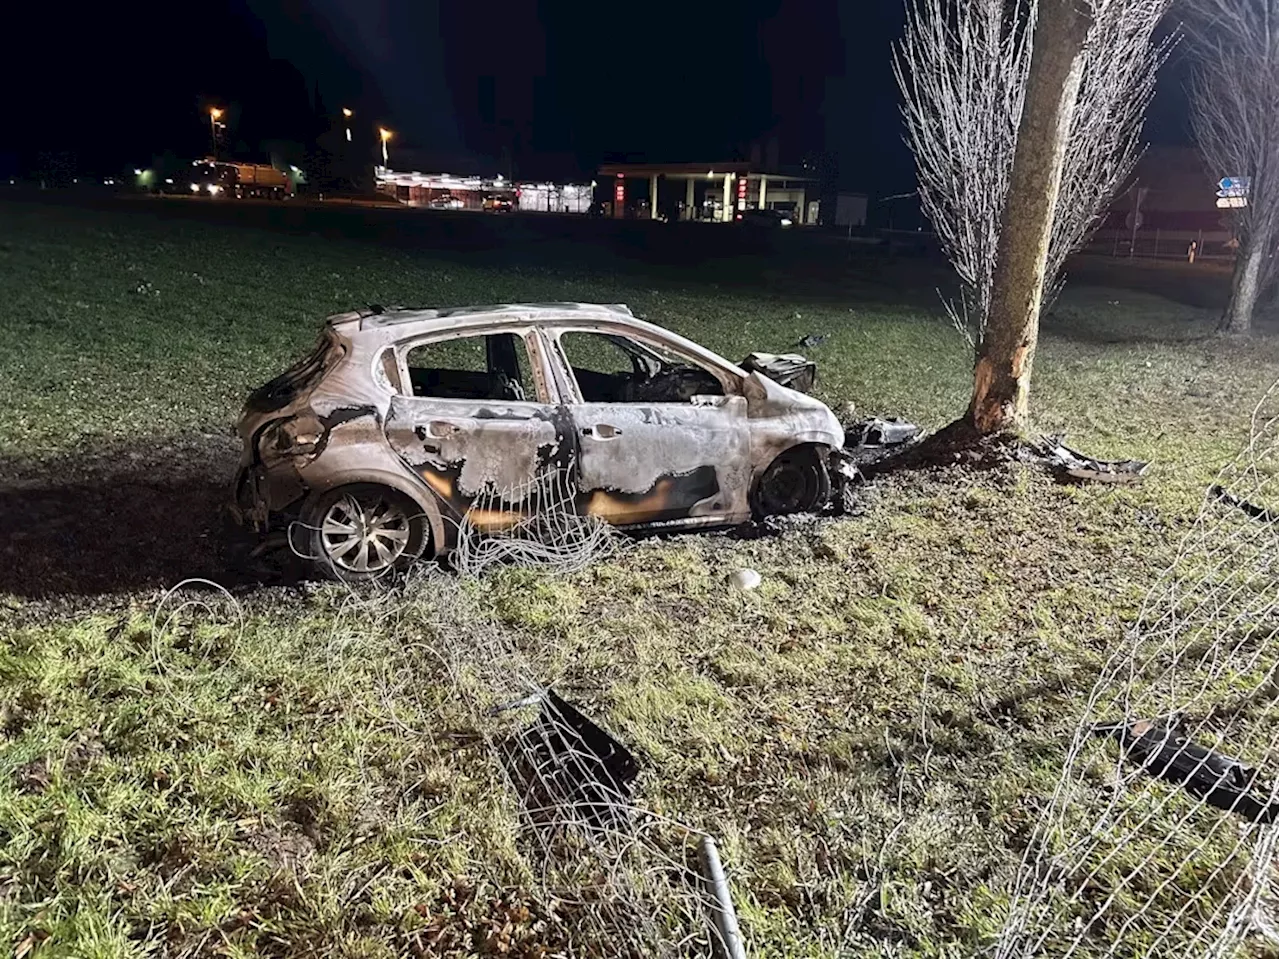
(1235,90)
(962,69)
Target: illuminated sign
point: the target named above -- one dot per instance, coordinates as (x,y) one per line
(742,193)
(1233,186)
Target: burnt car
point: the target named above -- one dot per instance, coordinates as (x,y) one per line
(370,451)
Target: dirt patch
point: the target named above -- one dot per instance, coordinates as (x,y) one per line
(32,777)
(282,848)
(115,517)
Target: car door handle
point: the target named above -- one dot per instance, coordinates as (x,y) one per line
(440,429)
(601,431)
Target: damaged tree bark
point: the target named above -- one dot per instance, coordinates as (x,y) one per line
(1002,373)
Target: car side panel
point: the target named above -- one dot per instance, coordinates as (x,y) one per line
(645,463)
(488,460)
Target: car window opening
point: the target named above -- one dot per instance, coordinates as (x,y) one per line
(492,366)
(615,369)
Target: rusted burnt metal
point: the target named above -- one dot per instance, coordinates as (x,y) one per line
(685,440)
(1075,465)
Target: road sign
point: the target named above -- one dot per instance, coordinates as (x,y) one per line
(1233,186)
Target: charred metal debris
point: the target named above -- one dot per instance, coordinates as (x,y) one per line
(1071,464)
(1252,510)
(565,762)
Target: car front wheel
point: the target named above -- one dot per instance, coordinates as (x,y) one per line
(364,531)
(796,482)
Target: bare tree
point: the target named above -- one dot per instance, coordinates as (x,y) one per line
(1234,96)
(965,68)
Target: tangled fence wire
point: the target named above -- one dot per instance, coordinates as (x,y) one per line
(1169,790)
(626,876)
(535,524)
(623,879)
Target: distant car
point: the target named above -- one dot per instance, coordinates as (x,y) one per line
(371,450)
(446,202)
(769,219)
(498,204)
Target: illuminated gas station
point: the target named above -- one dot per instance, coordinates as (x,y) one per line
(718,192)
(447,191)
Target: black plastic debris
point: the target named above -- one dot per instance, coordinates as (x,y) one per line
(810,340)
(786,369)
(1077,465)
(1219,780)
(1252,510)
(880,432)
(572,768)
(867,441)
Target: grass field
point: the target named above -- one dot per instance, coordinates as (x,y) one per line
(870,734)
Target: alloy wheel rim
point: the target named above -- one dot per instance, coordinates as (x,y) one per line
(364,536)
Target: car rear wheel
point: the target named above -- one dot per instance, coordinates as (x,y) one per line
(364,531)
(796,482)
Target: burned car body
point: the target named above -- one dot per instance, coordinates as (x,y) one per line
(400,423)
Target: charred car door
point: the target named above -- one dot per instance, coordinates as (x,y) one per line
(476,424)
(660,437)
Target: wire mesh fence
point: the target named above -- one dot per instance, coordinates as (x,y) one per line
(535,524)
(621,879)
(626,880)
(1161,836)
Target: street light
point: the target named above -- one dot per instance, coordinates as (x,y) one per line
(384,135)
(215,114)
(347,114)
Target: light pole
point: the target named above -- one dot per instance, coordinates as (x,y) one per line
(346,122)
(384,135)
(215,114)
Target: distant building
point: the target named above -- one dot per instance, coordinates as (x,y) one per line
(707,191)
(446,191)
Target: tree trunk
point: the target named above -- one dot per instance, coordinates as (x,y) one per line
(1002,373)
(1246,284)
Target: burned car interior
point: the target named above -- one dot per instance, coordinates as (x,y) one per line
(615,369)
(489,367)
(609,368)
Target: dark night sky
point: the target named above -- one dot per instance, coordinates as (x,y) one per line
(551,87)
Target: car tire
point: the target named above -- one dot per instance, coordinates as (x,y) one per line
(797,481)
(364,531)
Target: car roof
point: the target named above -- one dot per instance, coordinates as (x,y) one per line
(404,320)
(397,323)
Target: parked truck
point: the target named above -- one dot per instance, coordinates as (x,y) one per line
(232,179)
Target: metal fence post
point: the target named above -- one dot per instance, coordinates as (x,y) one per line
(726,922)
